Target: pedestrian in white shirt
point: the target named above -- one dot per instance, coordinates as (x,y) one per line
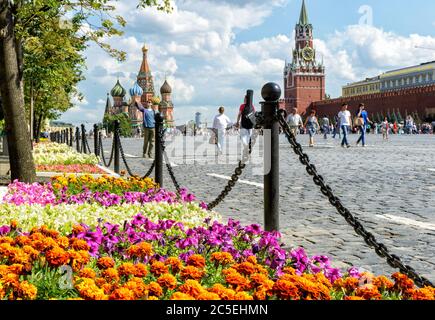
(294,121)
(345,123)
(220,124)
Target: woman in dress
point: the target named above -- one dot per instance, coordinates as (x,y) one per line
(312,124)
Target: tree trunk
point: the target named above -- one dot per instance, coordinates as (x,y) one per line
(38,127)
(18,135)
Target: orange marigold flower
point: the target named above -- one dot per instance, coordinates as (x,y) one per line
(235,279)
(175,264)
(22,240)
(78,229)
(127,269)
(99,281)
(27,291)
(158,268)
(141,250)
(57,257)
(208,296)
(122,294)
(63,242)
(16,268)
(138,287)
(105,263)
(167,281)
(152,298)
(252,259)
(402,283)
(87,273)
(383,283)
(33,254)
(222,258)
(191,272)
(260,269)
(181,296)
(353,298)
(9,240)
(243,296)
(425,293)
(79,244)
(289,270)
(260,294)
(78,259)
(89,290)
(10,281)
(191,287)
(155,289)
(196,260)
(369,292)
(258,279)
(286,290)
(111,274)
(140,270)
(44,243)
(348,284)
(246,268)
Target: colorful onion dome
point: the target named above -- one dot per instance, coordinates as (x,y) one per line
(118,90)
(136,90)
(166,88)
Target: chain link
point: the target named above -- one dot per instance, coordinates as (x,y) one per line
(237,173)
(380,249)
(124,159)
(102,153)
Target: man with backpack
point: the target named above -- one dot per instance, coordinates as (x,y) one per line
(243,121)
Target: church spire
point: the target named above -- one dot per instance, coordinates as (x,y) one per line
(303,19)
(144,68)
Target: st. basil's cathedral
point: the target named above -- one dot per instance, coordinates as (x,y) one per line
(144,87)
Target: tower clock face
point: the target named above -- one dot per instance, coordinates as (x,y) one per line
(308,54)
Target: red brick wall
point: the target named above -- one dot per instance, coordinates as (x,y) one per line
(306,89)
(419,100)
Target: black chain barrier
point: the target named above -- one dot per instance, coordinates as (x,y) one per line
(101,150)
(237,173)
(380,249)
(87,145)
(168,163)
(124,159)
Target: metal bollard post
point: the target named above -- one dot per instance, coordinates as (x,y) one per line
(158,151)
(71,137)
(271,92)
(62,136)
(83,139)
(116,142)
(77,139)
(96,139)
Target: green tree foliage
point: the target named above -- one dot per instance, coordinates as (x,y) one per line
(42,57)
(125,126)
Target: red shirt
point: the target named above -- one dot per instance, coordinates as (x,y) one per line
(243,107)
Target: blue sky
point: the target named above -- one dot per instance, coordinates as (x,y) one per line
(212,51)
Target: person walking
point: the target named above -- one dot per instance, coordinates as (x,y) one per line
(385,128)
(433,126)
(345,123)
(312,125)
(244,123)
(148,127)
(325,126)
(363,119)
(220,124)
(337,128)
(294,121)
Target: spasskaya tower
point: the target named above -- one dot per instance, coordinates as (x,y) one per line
(304,77)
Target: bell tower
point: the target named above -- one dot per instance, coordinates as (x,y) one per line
(304,77)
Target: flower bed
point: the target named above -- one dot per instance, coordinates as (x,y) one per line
(164,260)
(72,168)
(61,154)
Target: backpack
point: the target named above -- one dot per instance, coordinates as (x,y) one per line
(246,122)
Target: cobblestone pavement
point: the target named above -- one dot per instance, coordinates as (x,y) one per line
(389,186)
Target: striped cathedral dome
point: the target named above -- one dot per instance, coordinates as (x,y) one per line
(118,90)
(136,90)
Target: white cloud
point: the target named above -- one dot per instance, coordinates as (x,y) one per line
(195,48)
